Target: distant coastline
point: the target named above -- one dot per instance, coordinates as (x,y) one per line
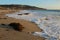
(20,7)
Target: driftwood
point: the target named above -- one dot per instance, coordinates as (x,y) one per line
(26,13)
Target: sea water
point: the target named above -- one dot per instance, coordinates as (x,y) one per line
(47,20)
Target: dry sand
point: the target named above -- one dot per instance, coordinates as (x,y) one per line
(9,34)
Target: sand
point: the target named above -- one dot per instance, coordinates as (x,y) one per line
(10,34)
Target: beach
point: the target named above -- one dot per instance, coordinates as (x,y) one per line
(30,25)
(29,20)
(10,34)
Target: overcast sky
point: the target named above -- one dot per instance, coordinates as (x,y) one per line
(49,4)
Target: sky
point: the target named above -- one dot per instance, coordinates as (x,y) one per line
(48,4)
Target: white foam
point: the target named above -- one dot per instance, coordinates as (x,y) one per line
(51,26)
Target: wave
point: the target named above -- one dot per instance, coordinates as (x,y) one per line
(50,24)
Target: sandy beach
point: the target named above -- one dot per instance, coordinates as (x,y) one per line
(10,34)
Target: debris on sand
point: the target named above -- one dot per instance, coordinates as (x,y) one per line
(16,26)
(26,13)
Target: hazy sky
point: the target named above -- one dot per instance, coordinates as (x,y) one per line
(49,4)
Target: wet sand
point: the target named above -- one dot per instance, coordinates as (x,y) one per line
(10,34)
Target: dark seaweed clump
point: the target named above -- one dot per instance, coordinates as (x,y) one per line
(16,26)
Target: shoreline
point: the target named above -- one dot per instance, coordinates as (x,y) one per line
(26,33)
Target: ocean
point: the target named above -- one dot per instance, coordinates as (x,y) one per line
(47,12)
(47,20)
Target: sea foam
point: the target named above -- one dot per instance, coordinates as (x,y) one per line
(50,27)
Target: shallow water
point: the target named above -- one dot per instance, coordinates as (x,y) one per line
(51,26)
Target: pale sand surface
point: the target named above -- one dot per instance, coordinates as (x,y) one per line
(9,34)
